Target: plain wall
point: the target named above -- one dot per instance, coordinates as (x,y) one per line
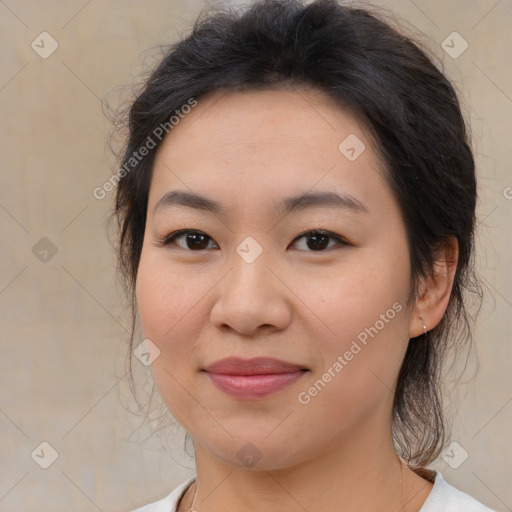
(64,321)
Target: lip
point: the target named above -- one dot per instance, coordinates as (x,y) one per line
(254,366)
(252,379)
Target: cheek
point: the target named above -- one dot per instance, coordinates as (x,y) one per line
(356,298)
(153,295)
(171,307)
(167,318)
(358,365)
(365,310)
(164,298)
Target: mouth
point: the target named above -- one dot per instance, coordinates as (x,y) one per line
(254,387)
(253,379)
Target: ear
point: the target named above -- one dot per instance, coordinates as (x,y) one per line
(434,291)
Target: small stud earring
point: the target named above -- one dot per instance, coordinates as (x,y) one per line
(424,327)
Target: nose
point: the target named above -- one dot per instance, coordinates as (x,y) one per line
(251,298)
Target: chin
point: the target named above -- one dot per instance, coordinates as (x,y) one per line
(256,453)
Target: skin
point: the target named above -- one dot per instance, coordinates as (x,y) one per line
(248,150)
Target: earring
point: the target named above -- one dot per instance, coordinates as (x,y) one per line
(424,327)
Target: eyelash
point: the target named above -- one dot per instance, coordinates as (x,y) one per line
(168,239)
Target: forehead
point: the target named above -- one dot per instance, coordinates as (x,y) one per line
(251,118)
(253,142)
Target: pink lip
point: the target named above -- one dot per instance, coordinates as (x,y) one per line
(252,387)
(251,379)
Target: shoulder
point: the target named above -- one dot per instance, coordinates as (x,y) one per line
(446,498)
(170,502)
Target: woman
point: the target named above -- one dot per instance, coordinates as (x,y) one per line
(296,206)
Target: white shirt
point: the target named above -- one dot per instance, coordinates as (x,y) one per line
(442,498)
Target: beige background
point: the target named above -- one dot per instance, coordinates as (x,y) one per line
(64,321)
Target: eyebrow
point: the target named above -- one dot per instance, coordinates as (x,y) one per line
(290,204)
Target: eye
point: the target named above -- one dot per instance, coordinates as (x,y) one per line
(194,240)
(318,240)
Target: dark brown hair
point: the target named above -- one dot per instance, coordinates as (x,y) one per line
(371,69)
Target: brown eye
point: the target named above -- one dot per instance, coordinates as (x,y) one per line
(318,241)
(193,240)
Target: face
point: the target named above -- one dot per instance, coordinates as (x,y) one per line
(251,280)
